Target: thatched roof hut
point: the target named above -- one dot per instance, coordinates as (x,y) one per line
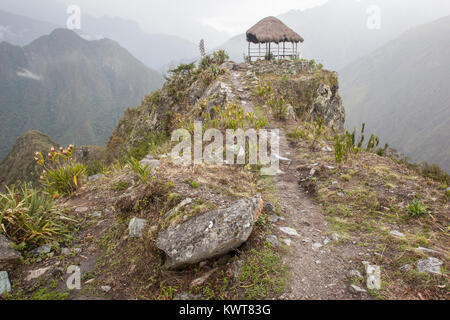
(271,29)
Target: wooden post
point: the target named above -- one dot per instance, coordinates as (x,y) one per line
(259,54)
(249,53)
(284,50)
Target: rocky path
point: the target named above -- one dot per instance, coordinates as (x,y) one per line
(317,266)
(317,263)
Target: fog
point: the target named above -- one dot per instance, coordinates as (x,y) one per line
(216,21)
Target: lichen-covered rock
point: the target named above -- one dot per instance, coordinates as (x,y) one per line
(328,106)
(136,227)
(7,255)
(430,265)
(210,235)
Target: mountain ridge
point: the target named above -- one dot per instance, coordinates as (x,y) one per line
(72,89)
(398,92)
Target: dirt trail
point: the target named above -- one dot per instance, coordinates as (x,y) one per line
(317,264)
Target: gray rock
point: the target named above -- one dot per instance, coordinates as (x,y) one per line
(34,274)
(335,237)
(6,253)
(210,235)
(269,209)
(373,277)
(182,204)
(274,218)
(65,251)
(316,246)
(96,214)
(106,288)
(5,285)
(327,149)
(405,268)
(430,265)
(186,296)
(427,250)
(290,112)
(357,289)
(287,242)
(397,234)
(136,227)
(150,162)
(96,177)
(289,231)
(81,209)
(354,274)
(273,240)
(46,248)
(201,280)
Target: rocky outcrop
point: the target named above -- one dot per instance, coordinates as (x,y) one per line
(210,235)
(19,164)
(7,255)
(328,106)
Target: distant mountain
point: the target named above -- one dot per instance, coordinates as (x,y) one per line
(154,49)
(69,88)
(336,33)
(19,164)
(401,91)
(19,30)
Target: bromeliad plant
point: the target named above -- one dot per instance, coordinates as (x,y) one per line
(143,172)
(60,174)
(30,218)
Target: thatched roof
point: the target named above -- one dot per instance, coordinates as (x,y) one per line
(271,29)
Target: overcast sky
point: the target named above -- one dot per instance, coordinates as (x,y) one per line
(231,16)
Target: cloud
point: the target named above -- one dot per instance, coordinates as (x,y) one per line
(28,74)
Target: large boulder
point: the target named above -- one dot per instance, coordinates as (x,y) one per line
(210,235)
(7,255)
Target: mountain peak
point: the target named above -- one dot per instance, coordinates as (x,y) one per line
(63,33)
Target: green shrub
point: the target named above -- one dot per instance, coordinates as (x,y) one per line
(417,209)
(297,133)
(279,107)
(434,172)
(318,129)
(346,144)
(94,168)
(30,217)
(61,174)
(152,143)
(194,184)
(143,172)
(263,274)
